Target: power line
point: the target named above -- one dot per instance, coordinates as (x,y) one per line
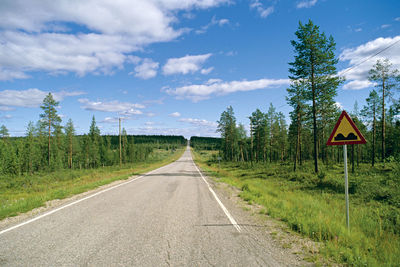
(374,55)
(358,64)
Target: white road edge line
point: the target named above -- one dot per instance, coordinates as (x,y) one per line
(76,202)
(230,217)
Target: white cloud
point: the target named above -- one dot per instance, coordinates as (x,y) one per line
(30,98)
(5,108)
(35,35)
(175,114)
(384,26)
(214,21)
(358,29)
(231,53)
(264,12)
(151,114)
(6,117)
(147,69)
(185,65)
(131,112)
(207,71)
(199,122)
(306,4)
(397,19)
(356,85)
(124,108)
(7,74)
(357,77)
(114,119)
(218,87)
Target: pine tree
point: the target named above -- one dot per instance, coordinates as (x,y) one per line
(50,119)
(31,151)
(227,128)
(282,136)
(70,135)
(385,79)
(95,142)
(297,99)
(315,65)
(258,127)
(241,136)
(271,125)
(124,145)
(4,131)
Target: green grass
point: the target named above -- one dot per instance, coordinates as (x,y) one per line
(315,207)
(24,193)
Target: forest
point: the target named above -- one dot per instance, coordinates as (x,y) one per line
(311,96)
(49,146)
(289,171)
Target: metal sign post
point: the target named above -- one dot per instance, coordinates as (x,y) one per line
(345,133)
(346,186)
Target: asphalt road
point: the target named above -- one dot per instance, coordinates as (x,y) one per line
(168,217)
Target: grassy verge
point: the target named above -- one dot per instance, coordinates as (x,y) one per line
(314,206)
(24,193)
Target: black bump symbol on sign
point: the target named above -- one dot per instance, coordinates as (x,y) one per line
(351,136)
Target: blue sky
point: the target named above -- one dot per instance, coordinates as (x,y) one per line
(172,66)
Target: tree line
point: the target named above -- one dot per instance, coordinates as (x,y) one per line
(314,83)
(49,146)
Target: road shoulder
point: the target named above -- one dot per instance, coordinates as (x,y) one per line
(288,247)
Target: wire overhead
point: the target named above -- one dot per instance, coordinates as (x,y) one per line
(374,55)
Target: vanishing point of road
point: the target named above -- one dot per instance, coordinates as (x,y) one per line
(168,217)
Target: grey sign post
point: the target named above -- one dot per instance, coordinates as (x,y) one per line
(346,186)
(345,133)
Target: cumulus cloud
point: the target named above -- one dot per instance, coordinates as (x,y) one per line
(9,74)
(199,122)
(114,119)
(357,77)
(36,35)
(175,114)
(306,4)
(263,11)
(6,117)
(147,69)
(214,21)
(207,71)
(218,87)
(30,98)
(124,108)
(185,65)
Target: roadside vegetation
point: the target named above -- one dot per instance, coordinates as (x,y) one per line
(52,162)
(314,205)
(289,169)
(23,193)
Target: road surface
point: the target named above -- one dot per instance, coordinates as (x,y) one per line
(169,217)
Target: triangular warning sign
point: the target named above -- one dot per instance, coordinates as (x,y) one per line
(345,132)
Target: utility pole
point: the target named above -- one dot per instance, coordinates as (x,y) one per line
(120,151)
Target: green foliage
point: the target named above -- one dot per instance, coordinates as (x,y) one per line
(22,193)
(386,79)
(205,143)
(314,69)
(228,130)
(313,205)
(3,131)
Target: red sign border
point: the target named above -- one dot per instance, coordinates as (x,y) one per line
(344,114)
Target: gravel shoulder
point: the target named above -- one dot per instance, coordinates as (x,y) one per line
(289,248)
